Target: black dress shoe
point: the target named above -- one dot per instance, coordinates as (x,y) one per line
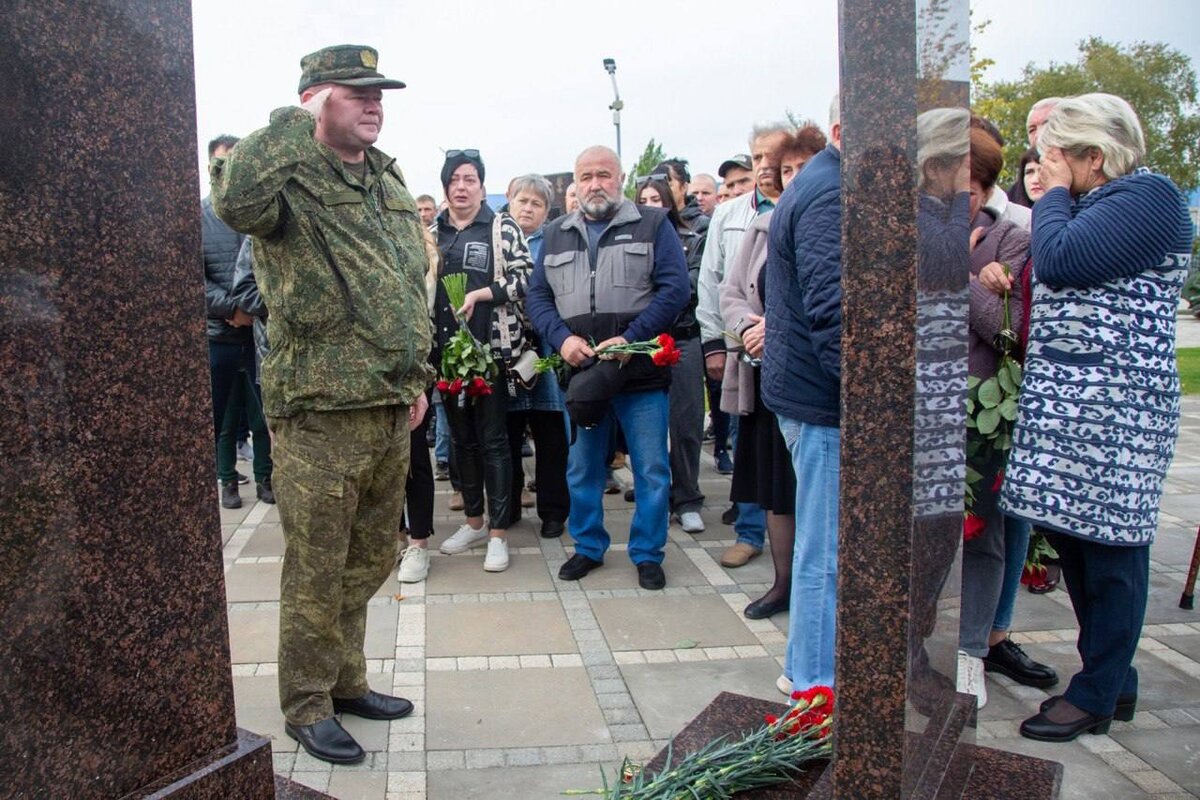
(327,740)
(552,528)
(1126,706)
(577,566)
(763,608)
(730,515)
(1007,658)
(374,705)
(651,576)
(1042,729)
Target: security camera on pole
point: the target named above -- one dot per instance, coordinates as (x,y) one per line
(610,66)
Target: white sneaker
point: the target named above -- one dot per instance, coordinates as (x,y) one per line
(464,539)
(691,522)
(496,559)
(784,685)
(414,565)
(970,677)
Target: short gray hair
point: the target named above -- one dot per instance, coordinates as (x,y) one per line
(532,183)
(1040,104)
(943,134)
(768,128)
(1099,120)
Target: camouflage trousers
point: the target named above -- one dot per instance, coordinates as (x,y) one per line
(339,481)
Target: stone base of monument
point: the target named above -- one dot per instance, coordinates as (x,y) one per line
(957,770)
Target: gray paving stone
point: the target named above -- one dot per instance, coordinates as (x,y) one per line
(267,540)
(346,785)
(252,583)
(620,573)
(511,708)
(1188,645)
(497,629)
(526,783)
(463,574)
(1174,752)
(660,623)
(668,696)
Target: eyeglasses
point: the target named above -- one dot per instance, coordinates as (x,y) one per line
(658,176)
(457,153)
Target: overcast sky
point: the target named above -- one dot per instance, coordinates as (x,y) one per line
(523,82)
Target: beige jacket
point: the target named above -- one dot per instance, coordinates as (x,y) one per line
(739,298)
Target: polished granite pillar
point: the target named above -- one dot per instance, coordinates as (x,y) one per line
(114,649)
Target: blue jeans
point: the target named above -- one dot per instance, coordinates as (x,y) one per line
(644,418)
(812,627)
(1016,544)
(751,525)
(441,446)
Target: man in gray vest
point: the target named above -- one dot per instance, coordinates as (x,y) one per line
(612,272)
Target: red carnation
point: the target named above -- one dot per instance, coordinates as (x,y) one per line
(443,386)
(455,386)
(665,357)
(666,341)
(1033,574)
(973,526)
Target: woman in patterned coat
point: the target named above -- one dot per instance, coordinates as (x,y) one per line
(1099,405)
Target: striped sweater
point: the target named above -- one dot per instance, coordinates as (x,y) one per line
(1099,405)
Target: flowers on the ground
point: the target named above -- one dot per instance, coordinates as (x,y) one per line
(466,362)
(775,752)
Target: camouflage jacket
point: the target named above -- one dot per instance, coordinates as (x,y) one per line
(340,263)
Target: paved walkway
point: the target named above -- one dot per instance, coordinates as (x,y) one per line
(526,685)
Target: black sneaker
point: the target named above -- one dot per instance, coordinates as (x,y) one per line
(264,492)
(730,515)
(229,495)
(577,566)
(1009,659)
(724,463)
(629,495)
(650,576)
(242,479)
(442,473)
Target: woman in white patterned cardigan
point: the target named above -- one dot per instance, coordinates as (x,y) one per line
(1099,407)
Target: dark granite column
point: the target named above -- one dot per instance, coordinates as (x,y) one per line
(114,651)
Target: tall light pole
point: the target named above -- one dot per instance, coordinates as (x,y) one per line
(610,66)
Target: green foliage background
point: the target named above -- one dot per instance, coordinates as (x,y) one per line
(1158,81)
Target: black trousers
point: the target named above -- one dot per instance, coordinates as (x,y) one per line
(418,488)
(1108,585)
(479,436)
(549,466)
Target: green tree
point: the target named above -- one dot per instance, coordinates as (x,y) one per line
(652,156)
(1158,81)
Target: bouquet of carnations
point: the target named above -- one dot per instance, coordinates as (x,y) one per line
(661,349)
(991,415)
(776,752)
(466,362)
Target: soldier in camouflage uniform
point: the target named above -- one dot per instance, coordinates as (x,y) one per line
(340,263)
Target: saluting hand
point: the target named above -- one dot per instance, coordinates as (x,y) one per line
(315,103)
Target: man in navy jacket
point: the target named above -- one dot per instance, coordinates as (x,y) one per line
(801,383)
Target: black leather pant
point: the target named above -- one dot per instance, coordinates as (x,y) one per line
(549,465)
(479,433)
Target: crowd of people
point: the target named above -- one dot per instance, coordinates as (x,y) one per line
(603,326)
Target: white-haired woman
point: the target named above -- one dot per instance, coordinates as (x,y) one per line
(1099,405)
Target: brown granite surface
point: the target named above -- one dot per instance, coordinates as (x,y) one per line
(878,114)
(115,651)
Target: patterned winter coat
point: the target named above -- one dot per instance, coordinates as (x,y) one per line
(1099,407)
